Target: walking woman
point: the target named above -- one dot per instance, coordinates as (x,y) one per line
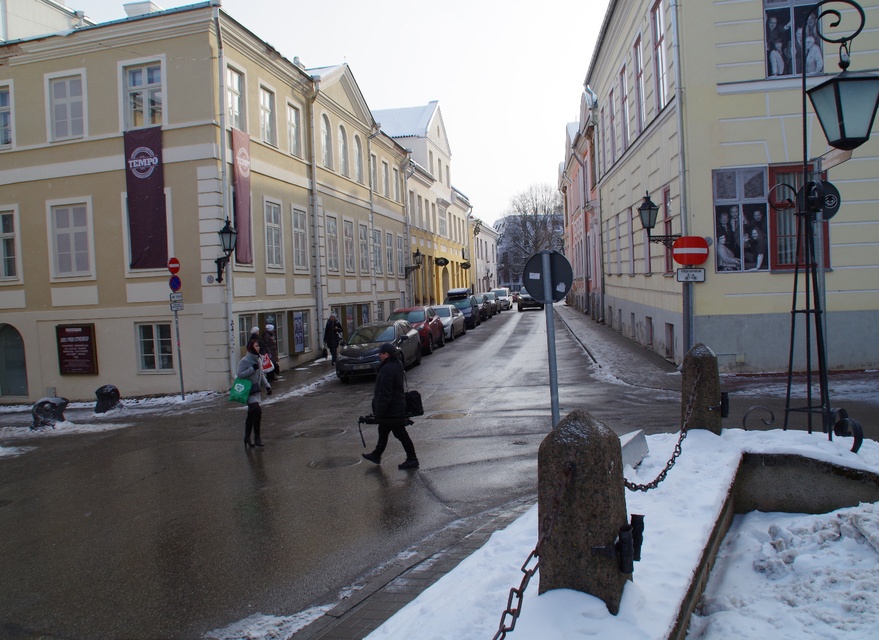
(249,368)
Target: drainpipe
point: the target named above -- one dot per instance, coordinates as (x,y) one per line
(373,171)
(584,199)
(408,169)
(317,248)
(689,313)
(224,184)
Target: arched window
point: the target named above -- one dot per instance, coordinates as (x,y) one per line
(358,159)
(343,151)
(327,137)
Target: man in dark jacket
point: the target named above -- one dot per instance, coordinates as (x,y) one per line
(332,335)
(389,407)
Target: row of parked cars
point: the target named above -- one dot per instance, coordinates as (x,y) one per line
(417,331)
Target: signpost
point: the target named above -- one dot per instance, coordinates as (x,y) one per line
(177,305)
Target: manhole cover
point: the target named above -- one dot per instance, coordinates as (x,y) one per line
(333,463)
(452,415)
(321,433)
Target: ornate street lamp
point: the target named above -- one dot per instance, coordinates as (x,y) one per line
(648,212)
(418,258)
(228,239)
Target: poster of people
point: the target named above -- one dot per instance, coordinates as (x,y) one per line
(741,236)
(298,333)
(787,29)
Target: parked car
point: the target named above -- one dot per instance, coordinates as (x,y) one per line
(527,302)
(358,356)
(493,301)
(467,304)
(485,310)
(426,322)
(503,296)
(454,323)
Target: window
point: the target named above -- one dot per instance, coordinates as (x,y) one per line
(70,240)
(144,95)
(786,22)
(396,185)
(659,65)
(624,109)
(293,129)
(603,143)
(666,228)
(332,244)
(740,218)
(420,221)
(386,179)
(348,228)
(364,249)
(638,70)
(439,170)
(280,322)
(400,248)
(358,159)
(154,352)
(267,130)
(326,137)
(66,107)
(300,240)
(8,253)
(443,224)
(612,140)
(274,246)
(343,151)
(245,324)
(630,233)
(5,116)
(389,252)
(783,223)
(377,250)
(373,173)
(235,99)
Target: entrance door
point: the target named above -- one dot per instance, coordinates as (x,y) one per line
(13,370)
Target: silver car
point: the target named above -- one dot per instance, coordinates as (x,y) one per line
(454,323)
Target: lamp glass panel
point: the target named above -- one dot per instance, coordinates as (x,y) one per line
(858,100)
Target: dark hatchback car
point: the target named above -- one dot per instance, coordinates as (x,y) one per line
(485,309)
(527,302)
(468,306)
(358,356)
(428,324)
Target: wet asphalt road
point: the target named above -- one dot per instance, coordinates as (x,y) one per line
(168,528)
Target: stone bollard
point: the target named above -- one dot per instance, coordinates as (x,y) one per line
(107,397)
(591,511)
(700,364)
(46,411)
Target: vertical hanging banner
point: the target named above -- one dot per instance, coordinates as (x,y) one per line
(241,163)
(145,182)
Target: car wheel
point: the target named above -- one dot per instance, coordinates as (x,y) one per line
(464,329)
(520,308)
(442,341)
(429,348)
(451,333)
(417,357)
(345,379)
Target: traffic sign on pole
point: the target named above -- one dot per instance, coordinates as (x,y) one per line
(175,283)
(173,266)
(690,250)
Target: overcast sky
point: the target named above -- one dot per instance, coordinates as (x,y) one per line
(507,74)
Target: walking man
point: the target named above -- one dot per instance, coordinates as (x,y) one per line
(389,407)
(332,335)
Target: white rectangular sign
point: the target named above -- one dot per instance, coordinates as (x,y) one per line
(691,275)
(176,306)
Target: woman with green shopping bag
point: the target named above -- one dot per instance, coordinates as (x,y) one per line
(250,369)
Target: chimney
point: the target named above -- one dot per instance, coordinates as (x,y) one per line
(133,9)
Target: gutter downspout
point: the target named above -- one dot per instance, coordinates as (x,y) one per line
(224,184)
(688,302)
(408,170)
(373,171)
(584,200)
(317,248)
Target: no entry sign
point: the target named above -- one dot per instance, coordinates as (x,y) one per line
(690,250)
(173,266)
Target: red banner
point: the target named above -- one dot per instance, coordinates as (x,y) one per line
(145,182)
(241,164)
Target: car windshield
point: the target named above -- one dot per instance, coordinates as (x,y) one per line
(365,335)
(500,293)
(461,304)
(443,312)
(410,316)
(489,296)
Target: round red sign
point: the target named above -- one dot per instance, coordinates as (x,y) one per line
(690,250)
(173,265)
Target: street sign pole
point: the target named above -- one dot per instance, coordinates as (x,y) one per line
(177,303)
(179,358)
(550,337)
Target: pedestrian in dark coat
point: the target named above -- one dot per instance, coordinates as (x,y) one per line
(270,344)
(389,407)
(250,368)
(333,335)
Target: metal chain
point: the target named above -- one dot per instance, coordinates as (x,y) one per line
(564,481)
(631,486)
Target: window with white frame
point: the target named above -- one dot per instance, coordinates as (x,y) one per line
(612,141)
(373,173)
(154,347)
(443,225)
(348,230)
(389,252)
(332,244)
(396,185)
(280,322)
(386,179)
(235,99)
(300,240)
(245,324)
(66,108)
(624,109)
(326,136)
(71,247)
(293,130)
(144,95)
(5,116)
(343,151)
(267,124)
(400,255)
(358,159)
(274,244)
(377,250)
(638,71)
(660,71)
(8,242)
(364,248)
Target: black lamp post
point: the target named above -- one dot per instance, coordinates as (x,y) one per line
(418,258)
(846,107)
(228,238)
(648,212)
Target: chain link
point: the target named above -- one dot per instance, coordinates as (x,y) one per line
(631,486)
(566,474)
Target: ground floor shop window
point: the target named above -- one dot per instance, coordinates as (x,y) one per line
(154,347)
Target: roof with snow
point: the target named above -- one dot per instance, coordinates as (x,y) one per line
(406,121)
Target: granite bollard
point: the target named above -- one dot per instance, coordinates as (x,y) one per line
(700,369)
(590,513)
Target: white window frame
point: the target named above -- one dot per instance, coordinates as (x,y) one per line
(386,179)
(377,250)
(332,243)
(294,129)
(268,115)
(236,98)
(396,176)
(660,68)
(50,80)
(363,239)
(9,125)
(640,96)
(124,66)
(274,233)
(126,231)
(162,356)
(348,237)
(625,128)
(10,242)
(373,173)
(443,229)
(326,136)
(343,151)
(87,229)
(400,255)
(389,252)
(358,159)
(300,239)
